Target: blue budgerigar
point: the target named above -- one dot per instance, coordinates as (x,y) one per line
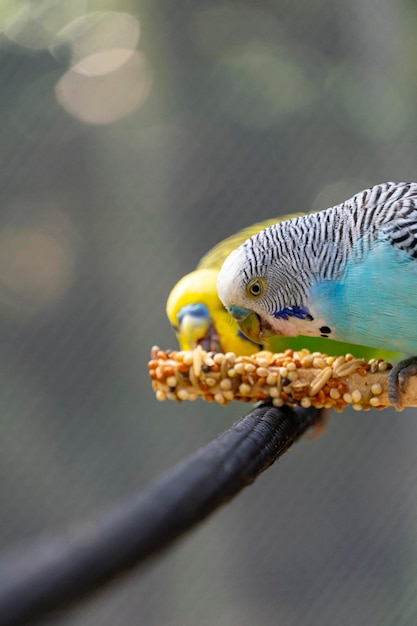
(348,272)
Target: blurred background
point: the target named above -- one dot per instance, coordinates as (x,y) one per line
(134,135)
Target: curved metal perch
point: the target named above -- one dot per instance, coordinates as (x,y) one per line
(55,572)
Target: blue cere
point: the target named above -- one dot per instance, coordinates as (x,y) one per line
(196,310)
(292,311)
(238,312)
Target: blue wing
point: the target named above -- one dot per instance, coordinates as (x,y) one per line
(375,301)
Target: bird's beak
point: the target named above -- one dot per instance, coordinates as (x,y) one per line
(195,328)
(251,324)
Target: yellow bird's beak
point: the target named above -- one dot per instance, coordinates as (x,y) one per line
(195,327)
(251,324)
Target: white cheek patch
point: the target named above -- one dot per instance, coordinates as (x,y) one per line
(229,280)
(295,326)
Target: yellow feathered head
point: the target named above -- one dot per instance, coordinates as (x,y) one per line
(199,318)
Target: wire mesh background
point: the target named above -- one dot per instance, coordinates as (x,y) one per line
(133,136)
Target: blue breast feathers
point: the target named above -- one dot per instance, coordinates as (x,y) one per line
(374,301)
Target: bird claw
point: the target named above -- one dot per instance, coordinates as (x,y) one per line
(398,378)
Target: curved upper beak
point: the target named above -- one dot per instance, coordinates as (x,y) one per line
(251,324)
(195,327)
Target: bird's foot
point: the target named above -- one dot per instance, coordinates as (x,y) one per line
(398,378)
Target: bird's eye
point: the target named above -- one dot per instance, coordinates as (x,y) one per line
(255,288)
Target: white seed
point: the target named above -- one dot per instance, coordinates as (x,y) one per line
(307,361)
(160,395)
(334,393)
(219,397)
(197,361)
(292,376)
(273,392)
(283,372)
(192,377)
(338,362)
(211,382)
(225,384)
(305,402)
(376,389)
(319,362)
(182,394)
(250,367)
(271,380)
(291,366)
(347,398)
(218,358)
(188,358)
(262,372)
(299,384)
(171,381)
(262,362)
(245,389)
(357,407)
(278,402)
(349,368)
(356,396)
(320,380)
(374,401)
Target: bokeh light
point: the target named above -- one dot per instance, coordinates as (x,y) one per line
(34,25)
(94,34)
(37,263)
(100,97)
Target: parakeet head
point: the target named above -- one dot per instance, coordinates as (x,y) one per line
(266,289)
(199,318)
(188,311)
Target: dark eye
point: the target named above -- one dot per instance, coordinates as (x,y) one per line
(255,288)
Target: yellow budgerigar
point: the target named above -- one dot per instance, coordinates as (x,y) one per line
(199,318)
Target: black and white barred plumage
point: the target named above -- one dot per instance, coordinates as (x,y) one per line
(320,244)
(348,272)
